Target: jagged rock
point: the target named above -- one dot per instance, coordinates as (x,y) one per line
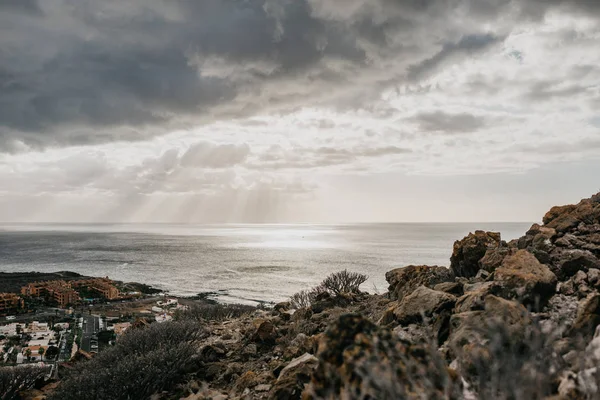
(593,276)
(556,212)
(567,288)
(474,299)
(523,277)
(468,251)
(494,256)
(403,281)
(568,218)
(568,262)
(423,302)
(292,379)
(454,288)
(358,360)
(588,316)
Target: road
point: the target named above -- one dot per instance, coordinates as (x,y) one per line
(91,326)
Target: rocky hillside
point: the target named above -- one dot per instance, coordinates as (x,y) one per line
(507,320)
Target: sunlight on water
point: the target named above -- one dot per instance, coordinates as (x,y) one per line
(244,263)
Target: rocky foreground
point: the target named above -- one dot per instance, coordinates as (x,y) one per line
(514,320)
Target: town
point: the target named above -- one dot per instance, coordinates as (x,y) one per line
(48,323)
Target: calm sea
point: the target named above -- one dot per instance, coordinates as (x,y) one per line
(244,263)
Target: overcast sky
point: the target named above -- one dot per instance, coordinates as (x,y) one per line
(297,110)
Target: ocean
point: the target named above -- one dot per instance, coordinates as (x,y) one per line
(241,263)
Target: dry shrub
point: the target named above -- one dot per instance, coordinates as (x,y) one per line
(143,362)
(15,379)
(214,312)
(336,284)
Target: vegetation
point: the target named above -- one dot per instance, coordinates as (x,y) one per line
(15,379)
(336,284)
(214,312)
(143,362)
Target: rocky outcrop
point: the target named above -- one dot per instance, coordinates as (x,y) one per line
(523,277)
(468,251)
(403,281)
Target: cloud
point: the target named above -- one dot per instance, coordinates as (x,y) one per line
(451,52)
(278,157)
(28,7)
(87,72)
(440,121)
(211,155)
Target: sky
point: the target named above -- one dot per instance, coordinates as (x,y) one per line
(288,111)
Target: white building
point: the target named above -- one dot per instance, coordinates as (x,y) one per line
(10,329)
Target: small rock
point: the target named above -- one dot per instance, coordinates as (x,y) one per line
(263,387)
(250,350)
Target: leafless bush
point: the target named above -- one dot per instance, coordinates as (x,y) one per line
(301,299)
(336,284)
(344,282)
(143,362)
(214,312)
(15,379)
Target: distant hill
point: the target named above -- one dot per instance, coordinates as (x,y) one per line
(11,282)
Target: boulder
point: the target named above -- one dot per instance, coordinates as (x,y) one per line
(403,281)
(568,218)
(566,263)
(468,251)
(523,277)
(557,211)
(480,326)
(423,302)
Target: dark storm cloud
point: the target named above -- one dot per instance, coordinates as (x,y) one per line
(440,121)
(466,46)
(30,7)
(84,71)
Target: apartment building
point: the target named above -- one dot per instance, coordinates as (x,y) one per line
(10,303)
(103,286)
(60,292)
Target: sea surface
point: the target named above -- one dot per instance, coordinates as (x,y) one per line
(242,263)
